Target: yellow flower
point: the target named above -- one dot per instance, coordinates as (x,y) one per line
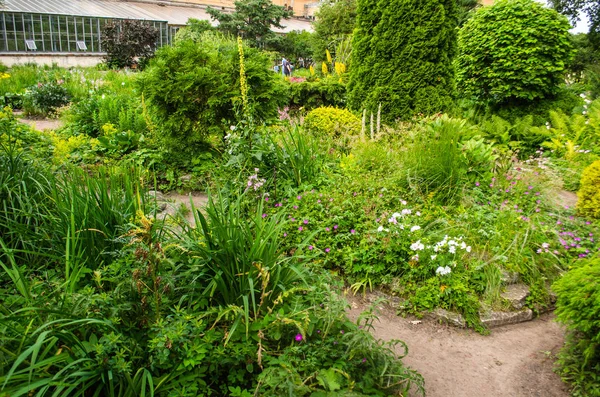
(324,68)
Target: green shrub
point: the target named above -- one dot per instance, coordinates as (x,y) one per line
(512,52)
(312,94)
(578,307)
(333,122)
(194,88)
(407,67)
(45,98)
(588,196)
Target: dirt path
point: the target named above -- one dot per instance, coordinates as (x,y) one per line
(514,360)
(43,124)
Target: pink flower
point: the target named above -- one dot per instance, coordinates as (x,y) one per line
(264,215)
(298,338)
(476,183)
(326,229)
(299,197)
(352,231)
(310,247)
(335,227)
(306,221)
(327,250)
(300,228)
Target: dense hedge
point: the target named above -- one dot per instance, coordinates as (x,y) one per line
(402,54)
(313,94)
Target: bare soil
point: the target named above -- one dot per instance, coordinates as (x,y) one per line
(515,360)
(175,201)
(43,124)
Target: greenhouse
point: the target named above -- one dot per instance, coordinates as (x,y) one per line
(55,26)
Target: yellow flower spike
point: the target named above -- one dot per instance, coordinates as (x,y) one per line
(329,59)
(324,68)
(312,70)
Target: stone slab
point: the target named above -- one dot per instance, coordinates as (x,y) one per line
(517,295)
(498,319)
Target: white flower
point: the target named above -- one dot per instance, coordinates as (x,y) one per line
(415,258)
(582,95)
(393,220)
(468,248)
(545,245)
(418,246)
(406,211)
(463,245)
(232,127)
(442,271)
(433,257)
(436,248)
(380,229)
(396,215)
(123,83)
(452,249)
(415,228)
(418,213)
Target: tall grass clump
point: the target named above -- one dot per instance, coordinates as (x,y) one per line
(434,163)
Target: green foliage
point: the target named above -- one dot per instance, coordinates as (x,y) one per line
(578,308)
(332,121)
(297,44)
(405,67)
(588,203)
(252,20)
(513,52)
(193,89)
(126,40)
(585,57)
(45,98)
(193,30)
(575,8)
(328,91)
(334,22)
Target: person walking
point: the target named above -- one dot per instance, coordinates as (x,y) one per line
(287,68)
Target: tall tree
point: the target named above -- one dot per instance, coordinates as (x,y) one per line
(253,20)
(402,54)
(573,9)
(334,21)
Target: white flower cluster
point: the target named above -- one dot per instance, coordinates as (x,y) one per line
(452,244)
(442,271)
(418,246)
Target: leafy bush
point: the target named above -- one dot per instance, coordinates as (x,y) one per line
(193,88)
(588,203)
(514,51)
(312,94)
(45,98)
(332,121)
(405,67)
(578,307)
(126,40)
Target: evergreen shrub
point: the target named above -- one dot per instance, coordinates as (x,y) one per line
(402,53)
(193,88)
(332,121)
(578,307)
(588,203)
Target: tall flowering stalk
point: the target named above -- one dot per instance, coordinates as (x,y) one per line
(243,82)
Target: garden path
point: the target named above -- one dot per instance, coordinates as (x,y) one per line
(514,360)
(42,124)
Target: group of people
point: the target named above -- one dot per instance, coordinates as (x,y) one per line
(286,68)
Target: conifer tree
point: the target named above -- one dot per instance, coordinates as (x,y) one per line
(402,54)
